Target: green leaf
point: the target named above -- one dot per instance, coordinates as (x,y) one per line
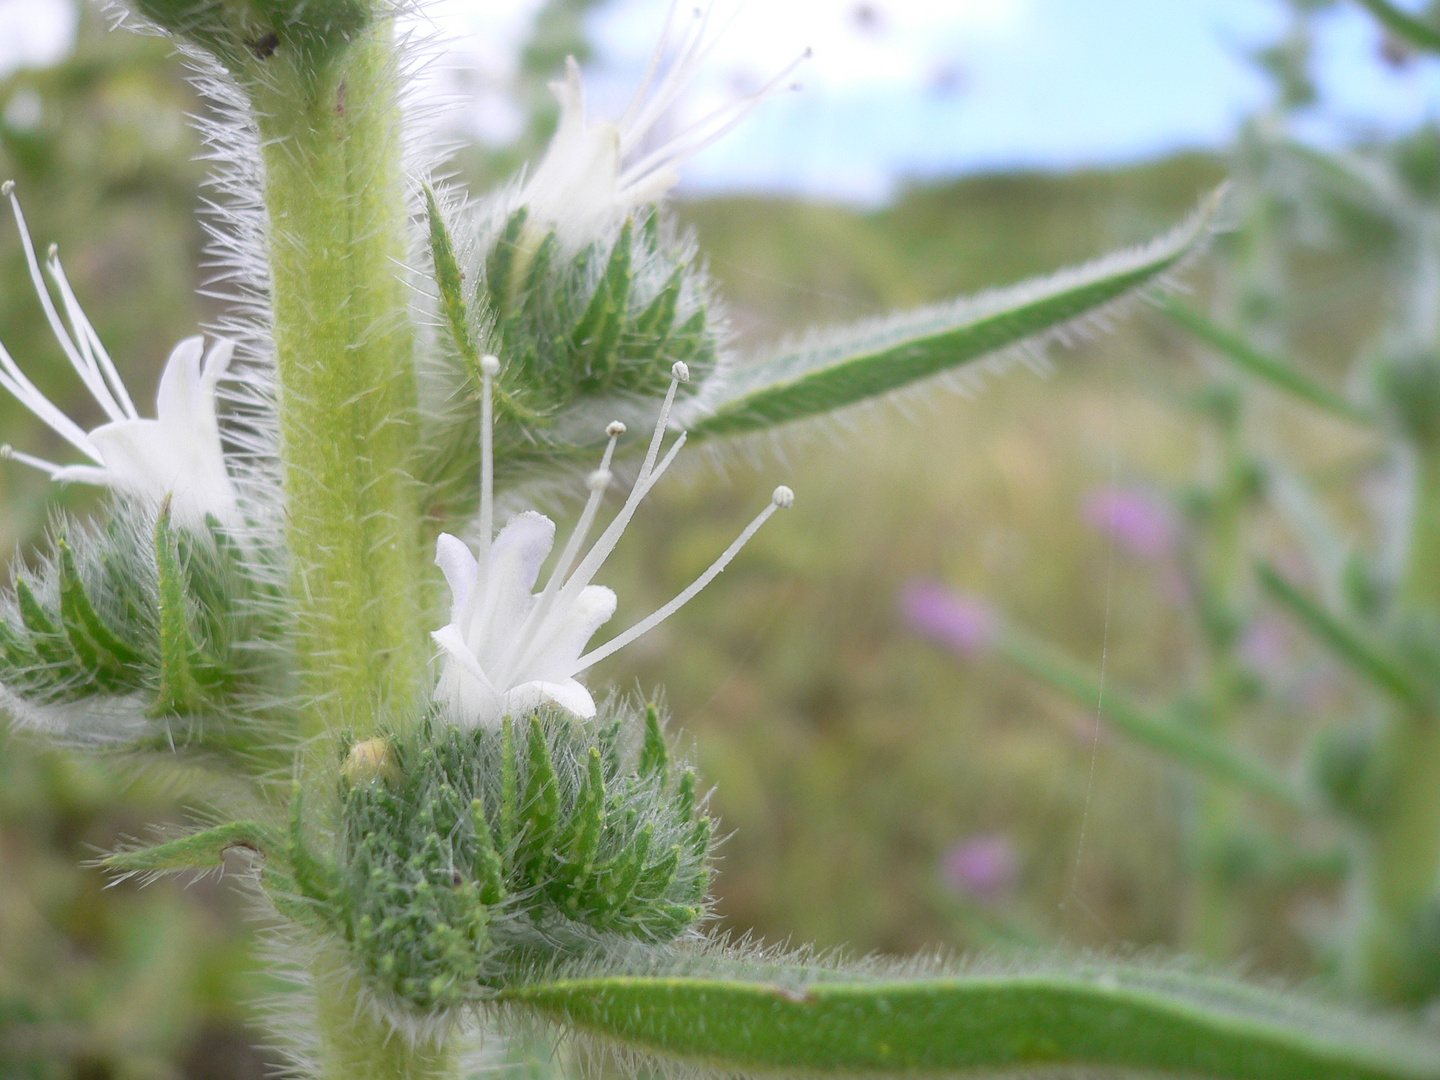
(1276,372)
(876,358)
(1181,742)
(451,285)
(1104,1021)
(198,851)
(1351,643)
(1405,26)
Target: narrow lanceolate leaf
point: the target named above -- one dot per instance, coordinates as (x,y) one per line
(876,358)
(1252,361)
(451,285)
(1368,657)
(1402,24)
(1183,743)
(199,851)
(1099,1022)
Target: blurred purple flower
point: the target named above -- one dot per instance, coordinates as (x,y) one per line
(983,867)
(1265,645)
(1138,522)
(962,623)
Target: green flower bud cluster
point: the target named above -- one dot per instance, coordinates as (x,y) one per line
(611,318)
(465,856)
(170,618)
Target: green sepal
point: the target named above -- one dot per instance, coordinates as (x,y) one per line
(654,755)
(77,611)
(875,359)
(490,871)
(657,319)
(50,643)
(540,805)
(685,795)
(500,263)
(509,786)
(617,879)
(199,851)
(181,660)
(452,286)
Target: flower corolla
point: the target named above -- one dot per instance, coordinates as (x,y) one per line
(178,455)
(508,649)
(594,172)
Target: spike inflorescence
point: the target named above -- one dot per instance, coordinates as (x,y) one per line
(487,852)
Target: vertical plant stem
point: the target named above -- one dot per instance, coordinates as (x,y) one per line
(1401,867)
(1215,913)
(357,1045)
(335,196)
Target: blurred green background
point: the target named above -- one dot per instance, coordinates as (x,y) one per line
(880,792)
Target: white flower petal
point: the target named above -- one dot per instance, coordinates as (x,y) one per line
(515,560)
(565,634)
(452,556)
(569,695)
(180,396)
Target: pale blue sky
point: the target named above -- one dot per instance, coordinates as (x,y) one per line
(964,85)
(901,89)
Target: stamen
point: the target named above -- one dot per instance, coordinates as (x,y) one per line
(489,368)
(9,453)
(597,482)
(694,51)
(671,155)
(87,338)
(25,392)
(782,498)
(655,57)
(648,477)
(84,367)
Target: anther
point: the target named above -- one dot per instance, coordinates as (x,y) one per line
(783,497)
(52,252)
(7,451)
(599,480)
(680,371)
(490,365)
(7,188)
(615,429)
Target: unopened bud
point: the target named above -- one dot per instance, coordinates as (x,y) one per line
(370,761)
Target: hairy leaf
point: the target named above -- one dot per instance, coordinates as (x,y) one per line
(875,358)
(1105,1021)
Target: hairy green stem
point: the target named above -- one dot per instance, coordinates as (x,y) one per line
(358,1045)
(335,196)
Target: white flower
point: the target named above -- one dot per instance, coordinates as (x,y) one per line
(593,172)
(508,649)
(178,454)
